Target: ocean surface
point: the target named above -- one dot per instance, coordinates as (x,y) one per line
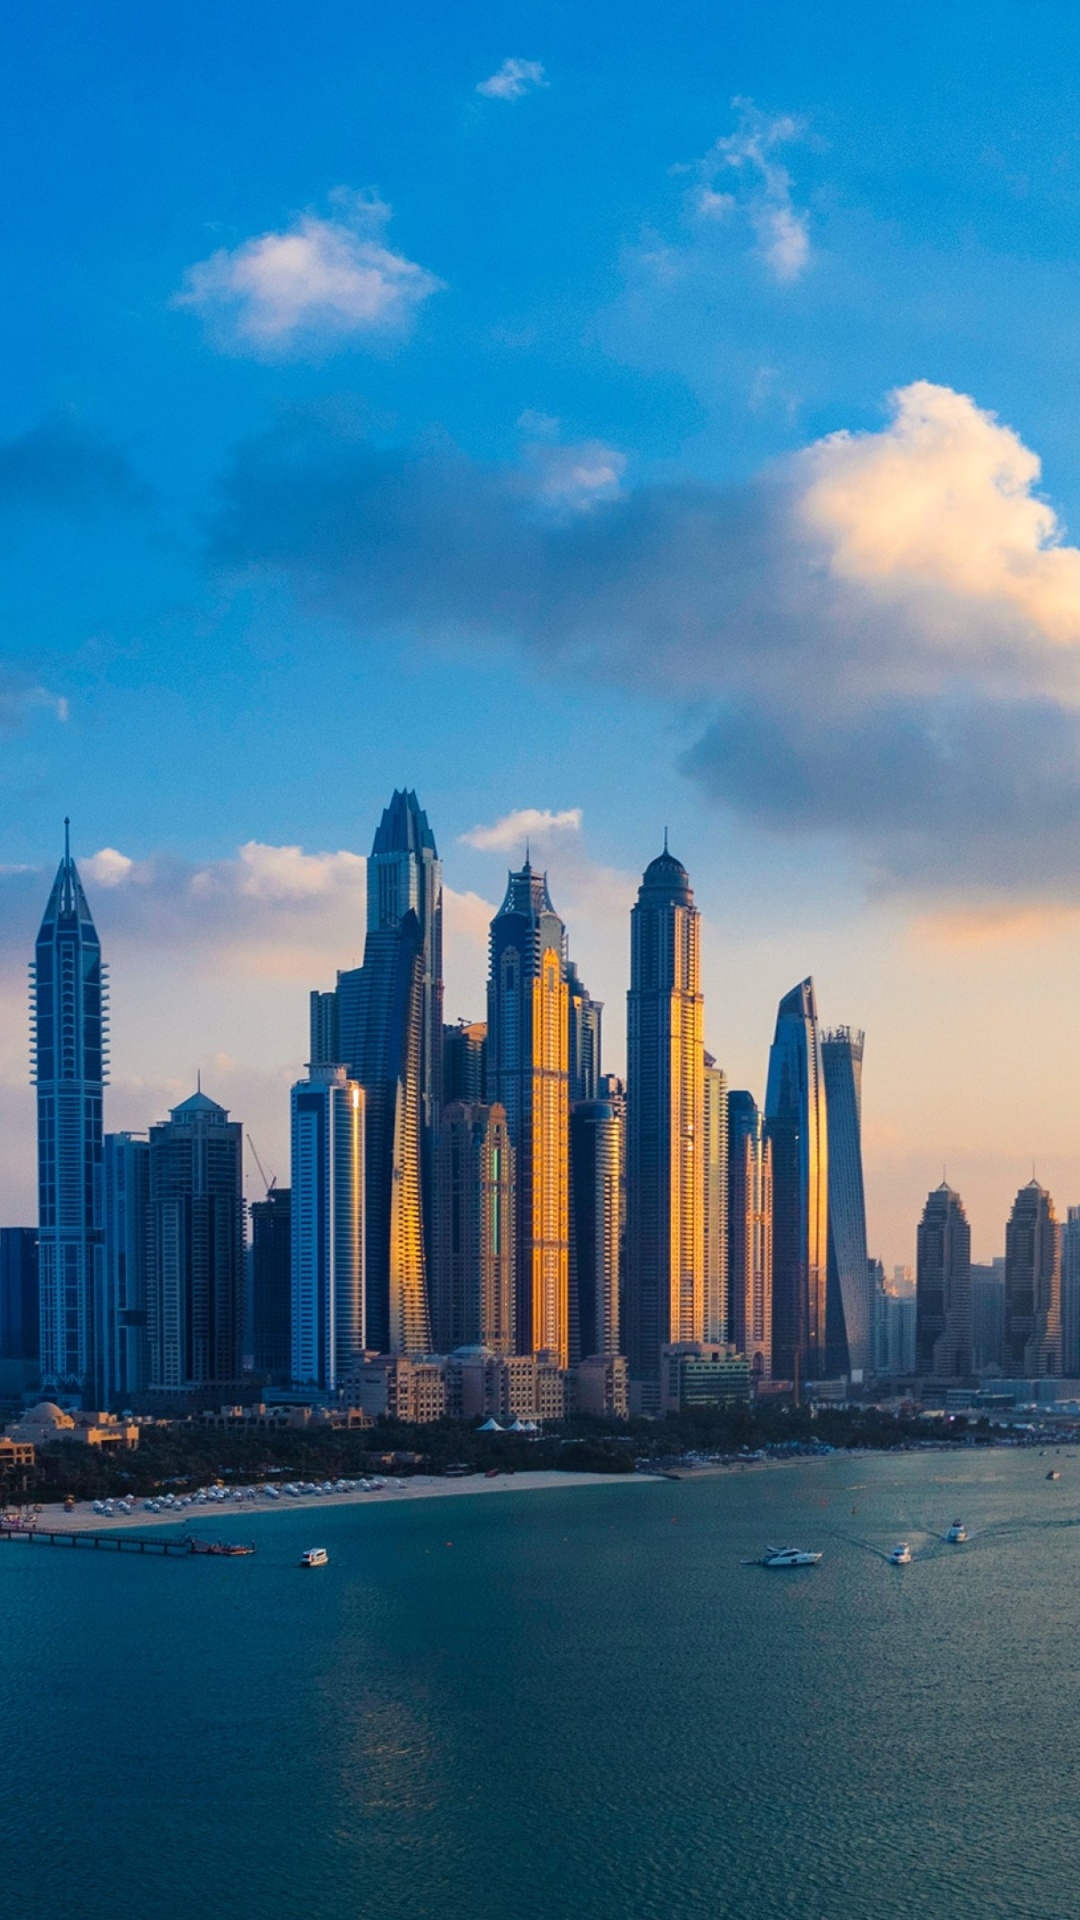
(545,1705)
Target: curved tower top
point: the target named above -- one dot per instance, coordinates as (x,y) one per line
(666,878)
(404,826)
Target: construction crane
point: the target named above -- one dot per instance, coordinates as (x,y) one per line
(268,1184)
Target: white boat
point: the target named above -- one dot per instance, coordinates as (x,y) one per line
(790,1557)
(1053,1474)
(957,1534)
(900,1555)
(314,1557)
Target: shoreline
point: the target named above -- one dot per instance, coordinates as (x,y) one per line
(420,1486)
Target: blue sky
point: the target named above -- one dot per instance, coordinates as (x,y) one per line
(497,400)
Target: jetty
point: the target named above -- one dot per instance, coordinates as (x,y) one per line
(125,1542)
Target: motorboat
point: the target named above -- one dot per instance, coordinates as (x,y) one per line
(957,1534)
(314,1557)
(790,1557)
(900,1555)
(1053,1474)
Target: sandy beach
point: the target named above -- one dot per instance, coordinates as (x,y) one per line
(420,1486)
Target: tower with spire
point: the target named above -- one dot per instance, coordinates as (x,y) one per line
(797,1122)
(69,1069)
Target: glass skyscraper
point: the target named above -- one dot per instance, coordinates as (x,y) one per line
(195,1292)
(390,1037)
(69,1071)
(665,1126)
(127,1254)
(795,1116)
(715,1149)
(476,1242)
(750,1225)
(849,1345)
(943,1288)
(327,1225)
(1032,1347)
(528,1075)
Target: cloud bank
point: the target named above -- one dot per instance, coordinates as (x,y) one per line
(884,627)
(321,283)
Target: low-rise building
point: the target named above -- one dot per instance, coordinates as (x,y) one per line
(699,1373)
(601,1387)
(16,1456)
(396,1386)
(47,1423)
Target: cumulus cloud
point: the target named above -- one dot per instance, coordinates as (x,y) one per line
(510,833)
(21,697)
(742,176)
(320,283)
(512,79)
(885,625)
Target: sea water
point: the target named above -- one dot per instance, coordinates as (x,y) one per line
(546,1705)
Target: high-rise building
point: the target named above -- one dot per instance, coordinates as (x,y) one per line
(665,1126)
(124,1335)
(987,1316)
(19,1317)
(528,1075)
(847,1301)
(325,1041)
(465,1062)
(583,1059)
(1070,1295)
(271,1284)
(70,1065)
(1032,1287)
(943,1288)
(715,1139)
(750,1233)
(195,1291)
(596,1138)
(795,1118)
(390,1036)
(476,1240)
(327,1221)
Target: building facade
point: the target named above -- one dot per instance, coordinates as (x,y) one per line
(699,1373)
(988,1316)
(584,1049)
(70,1064)
(195,1287)
(465,1063)
(528,1075)
(797,1125)
(20,1337)
(327,1227)
(124,1329)
(271,1284)
(596,1181)
(848,1341)
(750,1233)
(943,1288)
(665,1126)
(715,1147)
(1032,1346)
(1070,1295)
(476,1235)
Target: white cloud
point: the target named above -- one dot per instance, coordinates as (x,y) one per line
(512,79)
(762,188)
(320,282)
(288,873)
(576,477)
(525,823)
(107,868)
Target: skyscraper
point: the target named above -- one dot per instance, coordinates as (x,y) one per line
(390,1036)
(124,1339)
(528,1075)
(195,1291)
(465,1062)
(583,1061)
(750,1257)
(847,1305)
(1070,1295)
(795,1118)
(1032,1287)
(665,1125)
(987,1316)
(596,1228)
(943,1288)
(271,1284)
(69,1069)
(327,1221)
(476,1241)
(715,1137)
(20,1337)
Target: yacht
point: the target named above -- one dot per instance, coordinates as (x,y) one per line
(1053,1474)
(790,1557)
(314,1557)
(957,1534)
(900,1555)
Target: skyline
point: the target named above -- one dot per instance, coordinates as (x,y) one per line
(687,396)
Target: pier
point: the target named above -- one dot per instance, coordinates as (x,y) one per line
(124,1542)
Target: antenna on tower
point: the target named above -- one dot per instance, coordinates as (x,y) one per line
(665,840)
(67,838)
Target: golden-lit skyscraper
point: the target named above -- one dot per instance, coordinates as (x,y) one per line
(528,1075)
(665,1125)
